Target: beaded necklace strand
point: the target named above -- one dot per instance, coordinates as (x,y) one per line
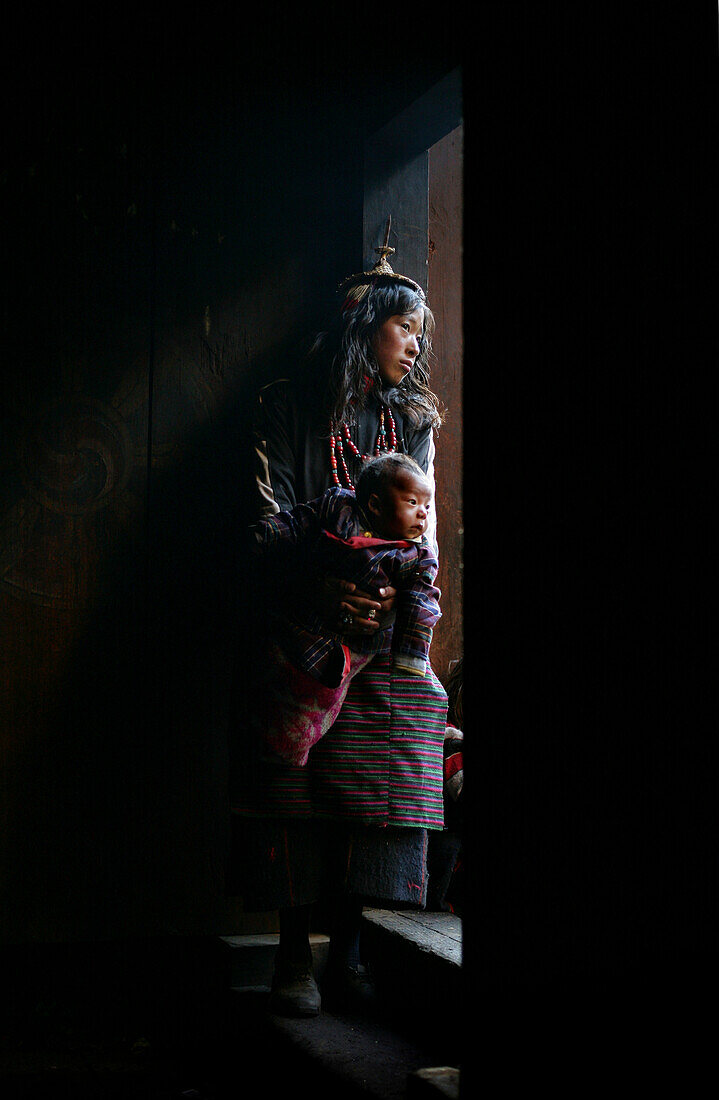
(337,447)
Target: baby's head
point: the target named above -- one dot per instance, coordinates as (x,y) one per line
(395,494)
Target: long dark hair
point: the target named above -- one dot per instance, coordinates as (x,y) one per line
(343,355)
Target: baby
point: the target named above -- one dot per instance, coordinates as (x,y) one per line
(374,537)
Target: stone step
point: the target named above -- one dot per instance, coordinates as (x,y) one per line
(248,960)
(433,933)
(434,1083)
(416,963)
(410,1047)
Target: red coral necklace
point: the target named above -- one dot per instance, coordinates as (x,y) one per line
(337,446)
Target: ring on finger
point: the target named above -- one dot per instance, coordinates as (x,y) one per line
(372,614)
(346,618)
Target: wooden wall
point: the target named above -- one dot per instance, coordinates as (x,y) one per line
(445,291)
(413,168)
(176,216)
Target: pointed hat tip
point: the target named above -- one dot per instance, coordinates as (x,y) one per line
(381,268)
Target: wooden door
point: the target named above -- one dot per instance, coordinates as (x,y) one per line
(444,286)
(413,173)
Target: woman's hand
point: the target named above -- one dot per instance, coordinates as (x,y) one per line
(355,611)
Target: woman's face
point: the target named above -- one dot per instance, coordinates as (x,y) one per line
(396,345)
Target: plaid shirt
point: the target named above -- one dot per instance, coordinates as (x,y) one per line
(334,538)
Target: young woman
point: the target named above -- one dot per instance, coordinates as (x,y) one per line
(350,827)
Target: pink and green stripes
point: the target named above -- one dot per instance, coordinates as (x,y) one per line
(381,763)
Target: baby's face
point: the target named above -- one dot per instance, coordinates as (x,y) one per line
(403,508)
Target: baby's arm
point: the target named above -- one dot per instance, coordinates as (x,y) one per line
(285,527)
(418,612)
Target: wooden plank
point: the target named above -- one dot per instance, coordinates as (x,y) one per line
(267,939)
(403,195)
(396,176)
(446,924)
(445,296)
(424,936)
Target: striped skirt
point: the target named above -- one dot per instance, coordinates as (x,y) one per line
(381,763)
(377,776)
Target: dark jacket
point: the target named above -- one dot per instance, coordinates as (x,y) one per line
(292,448)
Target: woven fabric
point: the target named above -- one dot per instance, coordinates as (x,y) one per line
(298,710)
(381,763)
(275,864)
